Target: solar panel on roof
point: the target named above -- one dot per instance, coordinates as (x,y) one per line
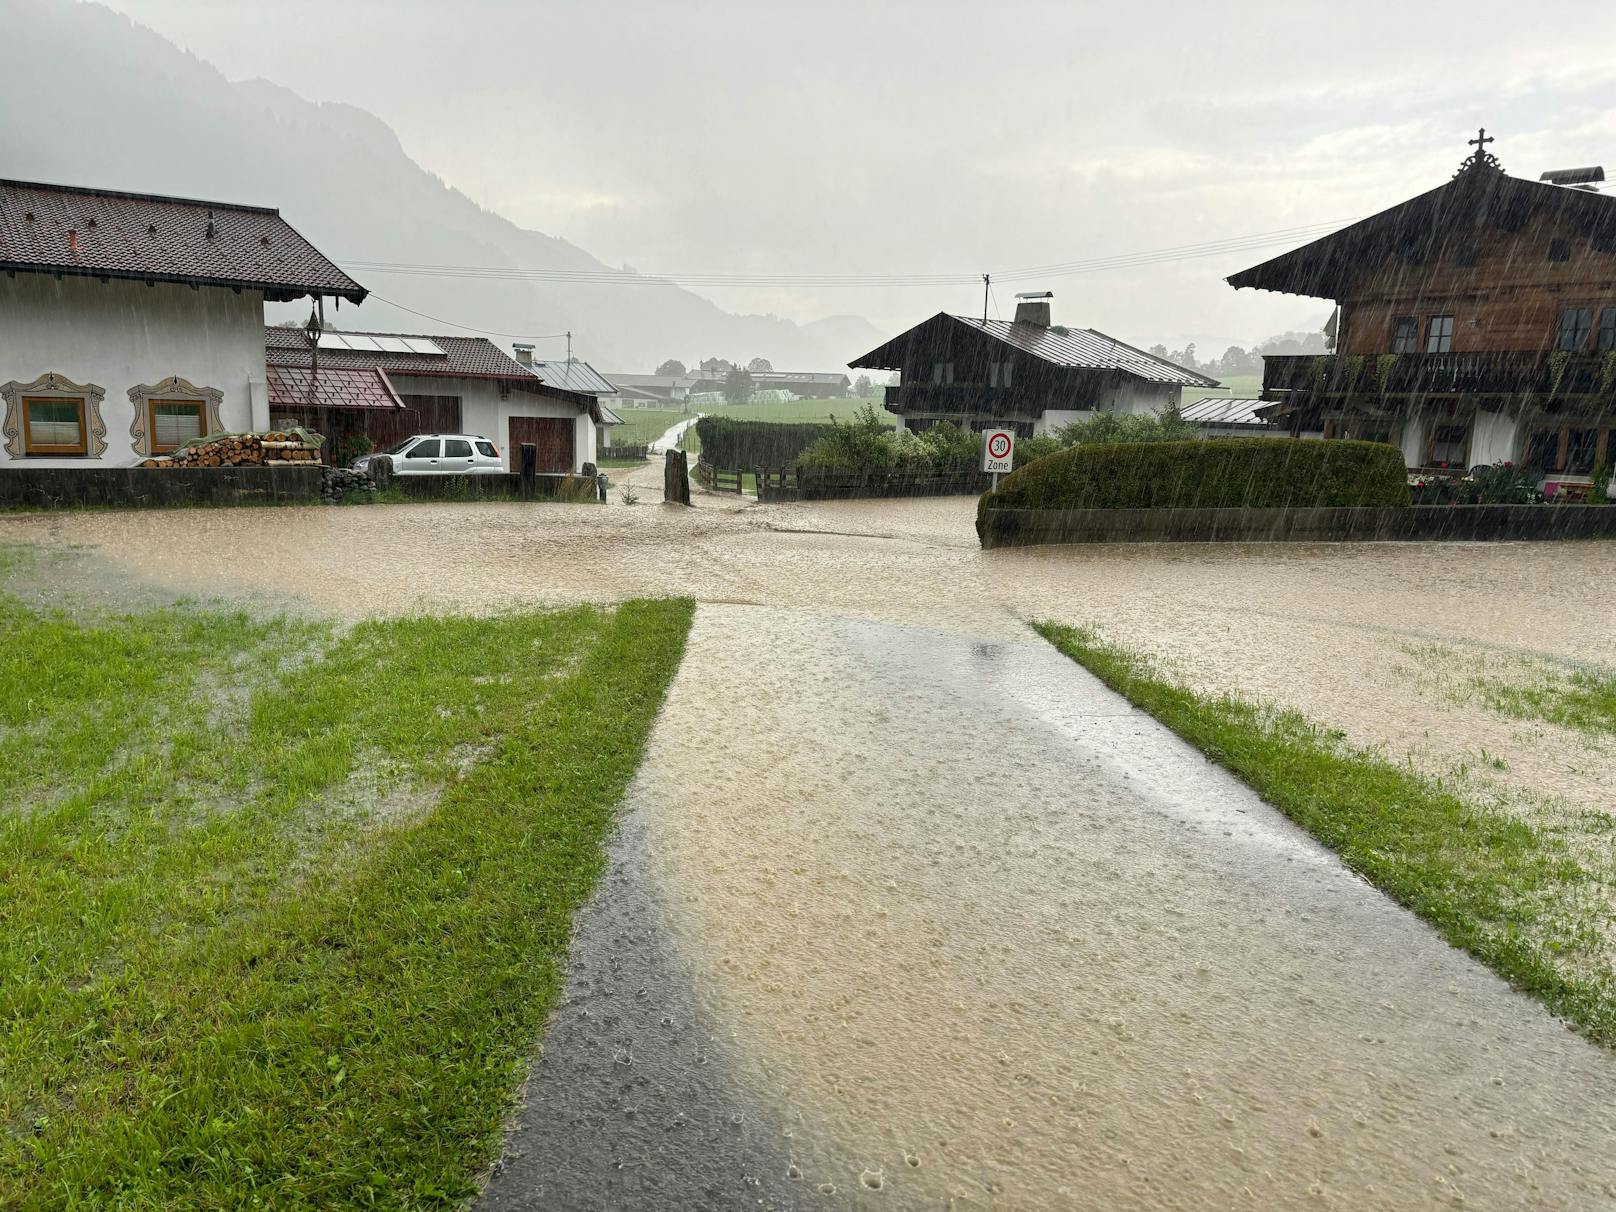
(423,346)
(356,341)
(333,340)
(393,344)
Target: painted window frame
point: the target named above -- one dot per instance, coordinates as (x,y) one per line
(53,385)
(54,450)
(158,447)
(172,390)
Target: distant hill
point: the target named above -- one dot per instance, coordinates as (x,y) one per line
(93,99)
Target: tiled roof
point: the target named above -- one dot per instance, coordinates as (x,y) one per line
(336,387)
(1087,348)
(1221,410)
(462,357)
(575,376)
(102,233)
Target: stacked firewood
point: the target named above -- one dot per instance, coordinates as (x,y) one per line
(245,450)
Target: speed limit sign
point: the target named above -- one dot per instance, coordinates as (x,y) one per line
(998,447)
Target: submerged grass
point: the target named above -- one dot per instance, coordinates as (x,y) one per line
(1525,688)
(1508,893)
(231,972)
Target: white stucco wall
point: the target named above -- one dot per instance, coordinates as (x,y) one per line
(1493,439)
(482,411)
(1413,441)
(119,334)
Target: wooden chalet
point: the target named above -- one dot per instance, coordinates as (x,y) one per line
(1476,325)
(1024,374)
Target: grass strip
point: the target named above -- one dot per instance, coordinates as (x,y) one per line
(223,989)
(1491,884)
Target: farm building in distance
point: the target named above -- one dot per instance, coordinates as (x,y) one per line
(133,323)
(1222,417)
(387,386)
(1023,374)
(1477,324)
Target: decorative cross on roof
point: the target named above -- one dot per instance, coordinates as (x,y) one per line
(1481,158)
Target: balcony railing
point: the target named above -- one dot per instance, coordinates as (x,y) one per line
(975,398)
(1533,372)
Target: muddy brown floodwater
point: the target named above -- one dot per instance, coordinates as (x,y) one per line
(909,912)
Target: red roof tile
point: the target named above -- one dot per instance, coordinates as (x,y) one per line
(102,233)
(337,387)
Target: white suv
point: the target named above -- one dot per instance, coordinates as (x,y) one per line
(437,454)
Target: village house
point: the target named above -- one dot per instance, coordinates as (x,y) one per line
(1024,374)
(387,386)
(574,375)
(1226,417)
(807,384)
(130,323)
(1476,325)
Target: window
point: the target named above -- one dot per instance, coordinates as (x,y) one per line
(936,372)
(1582,449)
(1449,445)
(999,374)
(53,426)
(488,450)
(173,423)
(455,448)
(424,450)
(1575,324)
(1405,335)
(1559,250)
(1607,328)
(1439,334)
(1543,450)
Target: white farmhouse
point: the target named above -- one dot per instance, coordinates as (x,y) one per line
(132,322)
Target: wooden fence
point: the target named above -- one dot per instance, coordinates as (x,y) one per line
(624,452)
(720,479)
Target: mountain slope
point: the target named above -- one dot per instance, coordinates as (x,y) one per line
(143,115)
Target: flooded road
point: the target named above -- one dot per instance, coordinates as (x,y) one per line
(980,935)
(935,920)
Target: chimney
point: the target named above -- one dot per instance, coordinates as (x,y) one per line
(1032,307)
(524,353)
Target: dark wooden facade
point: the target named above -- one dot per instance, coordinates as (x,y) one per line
(952,371)
(1477,323)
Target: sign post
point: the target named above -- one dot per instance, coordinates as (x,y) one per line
(998,451)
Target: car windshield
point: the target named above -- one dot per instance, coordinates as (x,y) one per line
(402,446)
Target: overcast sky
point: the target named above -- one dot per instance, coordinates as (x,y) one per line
(875,138)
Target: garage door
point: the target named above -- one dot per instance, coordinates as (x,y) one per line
(553,437)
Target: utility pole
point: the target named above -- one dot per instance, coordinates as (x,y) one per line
(569,347)
(987,281)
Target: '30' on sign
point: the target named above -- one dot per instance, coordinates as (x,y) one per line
(998,448)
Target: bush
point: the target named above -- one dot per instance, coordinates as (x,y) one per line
(726,442)
(1229,473)
(1499,484)
(1030,450)
(1112,427)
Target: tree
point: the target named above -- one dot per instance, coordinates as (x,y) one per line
(737,385)
(862,387)
(760,365)
(1159,351)
(672,367)
(717,366)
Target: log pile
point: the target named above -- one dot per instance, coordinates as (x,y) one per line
(245,450)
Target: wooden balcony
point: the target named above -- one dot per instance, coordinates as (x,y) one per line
(1527,373)
(975,399)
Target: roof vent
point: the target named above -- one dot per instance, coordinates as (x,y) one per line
(1584,178)
(1032,307)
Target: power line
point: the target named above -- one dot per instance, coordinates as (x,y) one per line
(487,332)
(833,281)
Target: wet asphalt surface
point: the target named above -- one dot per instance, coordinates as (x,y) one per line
(633,1102)
(935,920)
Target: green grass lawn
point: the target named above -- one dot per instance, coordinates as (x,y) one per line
(800,410)
(1506,891)
(283,907)
(642,425)
(1239,387)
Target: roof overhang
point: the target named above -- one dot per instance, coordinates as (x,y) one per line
(275,292)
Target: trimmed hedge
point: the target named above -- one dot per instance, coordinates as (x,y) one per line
(1225,473)
(729,443)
